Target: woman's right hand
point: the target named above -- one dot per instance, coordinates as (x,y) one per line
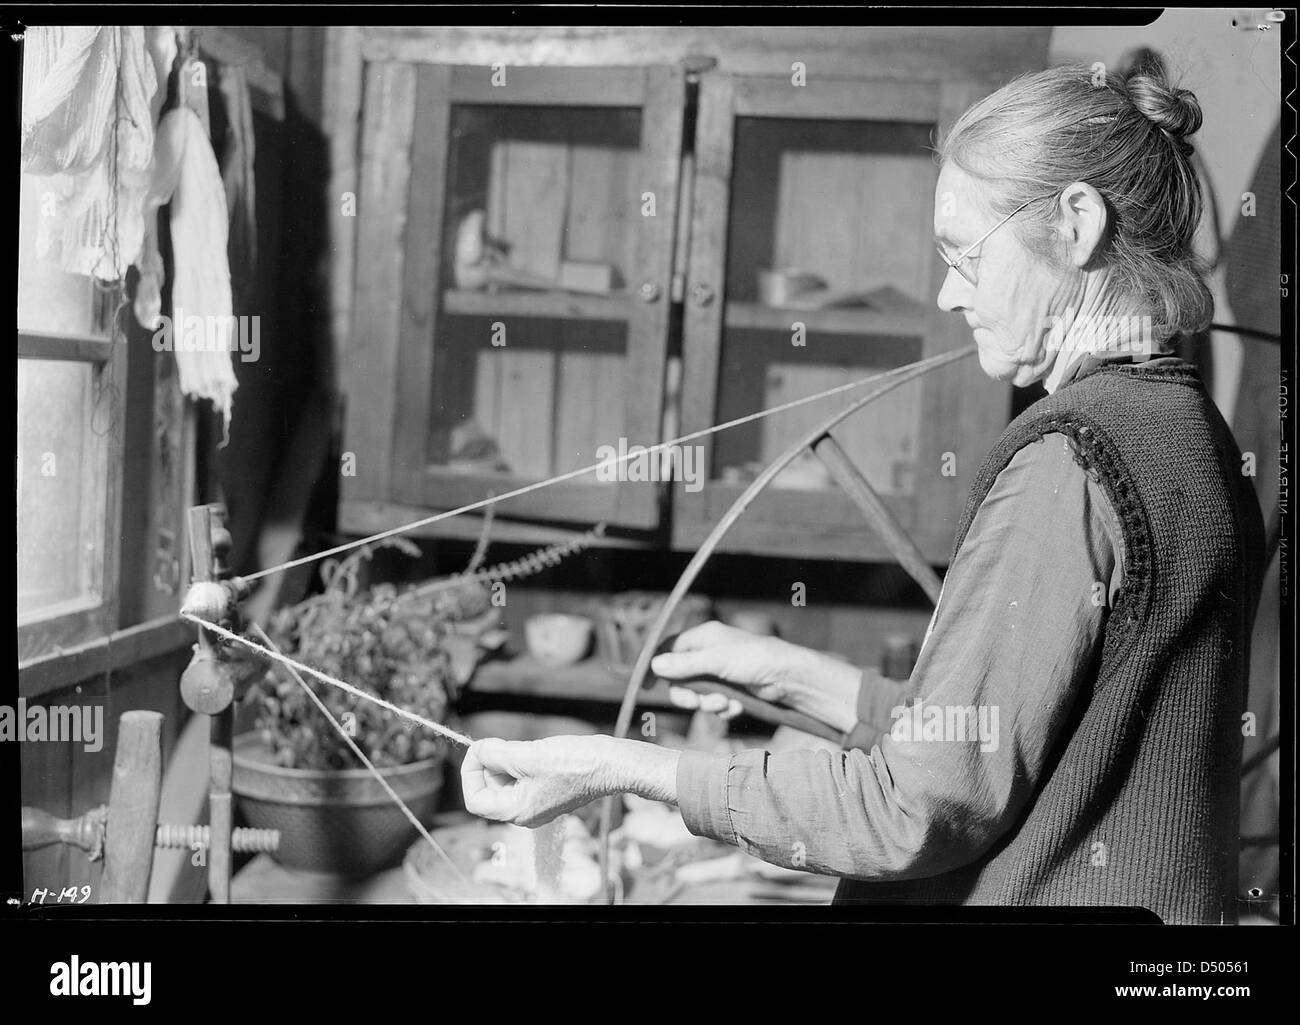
(775,670)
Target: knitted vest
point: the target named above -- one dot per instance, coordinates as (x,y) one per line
(1140,798)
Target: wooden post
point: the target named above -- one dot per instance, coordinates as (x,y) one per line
(133,808)
(209,692)
(221,759)
(220,806)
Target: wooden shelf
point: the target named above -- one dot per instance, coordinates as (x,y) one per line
(521,303)
(37,345)
(361,519)
(590,680)
(839,321)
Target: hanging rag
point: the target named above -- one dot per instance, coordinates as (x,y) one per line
(87,128)
(237,158)
(203,323)
(185,174)
(148,290)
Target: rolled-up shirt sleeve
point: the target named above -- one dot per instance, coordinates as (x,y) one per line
(1014,637)
(877,697)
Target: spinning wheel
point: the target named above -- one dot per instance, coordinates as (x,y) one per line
(127,831)
(823,445)
(216,675)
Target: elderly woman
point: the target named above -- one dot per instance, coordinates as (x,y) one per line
(1094,626)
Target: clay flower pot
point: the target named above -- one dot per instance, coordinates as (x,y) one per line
(334,820)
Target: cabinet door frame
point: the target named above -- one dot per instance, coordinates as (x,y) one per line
(961,410)
(405,128)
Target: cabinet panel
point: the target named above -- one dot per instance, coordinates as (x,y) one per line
(531,213)
(811,267)
(370,364)
(518,232)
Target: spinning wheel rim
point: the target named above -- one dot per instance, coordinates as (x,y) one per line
(655,636)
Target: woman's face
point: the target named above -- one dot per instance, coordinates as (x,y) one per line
(1011,308)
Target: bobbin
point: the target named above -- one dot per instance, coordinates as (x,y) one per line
(215,677)
(217,601)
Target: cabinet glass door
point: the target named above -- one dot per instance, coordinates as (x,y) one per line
(537,255)
(812,266)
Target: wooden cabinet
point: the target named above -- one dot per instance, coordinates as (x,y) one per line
(474,180)
(556,252)
(837,183)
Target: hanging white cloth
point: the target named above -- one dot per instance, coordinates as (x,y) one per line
(88,129)
(148,290)
(90,98)
(202,325)
(237,162)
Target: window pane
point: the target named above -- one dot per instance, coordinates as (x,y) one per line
(58,488)
(50,301)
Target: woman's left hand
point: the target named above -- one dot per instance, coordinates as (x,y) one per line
(531,782)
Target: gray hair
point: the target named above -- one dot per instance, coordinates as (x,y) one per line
(1124,136)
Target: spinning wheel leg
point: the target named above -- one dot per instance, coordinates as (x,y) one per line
(877,514)
(133,808)
(126,831)
(123,832)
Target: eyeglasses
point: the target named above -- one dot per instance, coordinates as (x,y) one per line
(956,262)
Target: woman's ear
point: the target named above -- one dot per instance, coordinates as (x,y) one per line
(1084,220)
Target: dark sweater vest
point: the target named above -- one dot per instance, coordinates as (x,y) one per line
(1139,803)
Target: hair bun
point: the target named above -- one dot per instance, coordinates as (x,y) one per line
(1174,111)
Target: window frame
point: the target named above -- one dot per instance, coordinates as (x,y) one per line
(94,615)
(65,644)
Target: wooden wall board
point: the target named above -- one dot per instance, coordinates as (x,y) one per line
(422,213)
(369,366)
(879,439)
(589,403)
(860,221)
(528,199)
(45,775)
(602,205)
(899,51)
(513,402)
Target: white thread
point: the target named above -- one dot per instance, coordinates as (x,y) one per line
(356,750)
(634,452)
(221,631)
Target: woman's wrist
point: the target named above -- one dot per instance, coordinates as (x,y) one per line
(646,770)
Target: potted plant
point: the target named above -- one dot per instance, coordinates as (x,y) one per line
(416,647)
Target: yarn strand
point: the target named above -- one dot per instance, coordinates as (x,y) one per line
(438,728)
(634,452)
